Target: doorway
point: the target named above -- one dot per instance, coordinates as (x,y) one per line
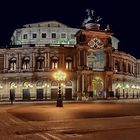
(26,94)
(98,87)
(54,93)
(68,94)
(39,93)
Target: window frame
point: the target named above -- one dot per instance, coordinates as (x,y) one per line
(53,33)
(42,35)
(33,35)
(65,35)
(25,36)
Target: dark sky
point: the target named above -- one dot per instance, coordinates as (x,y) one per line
(123,17)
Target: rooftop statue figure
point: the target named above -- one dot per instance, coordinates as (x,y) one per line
(90,17)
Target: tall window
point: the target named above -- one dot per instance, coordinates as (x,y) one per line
(25,63)
(117,67)
(68,63)
(12,64)
(124,67)
(53,35)
(40,62)
(72,36)
(25,36)
(54,62)
(129,68)
(43,35)
(63,35)
(34,35)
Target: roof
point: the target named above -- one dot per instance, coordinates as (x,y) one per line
(45,24)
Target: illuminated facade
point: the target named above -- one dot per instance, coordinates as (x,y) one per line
(90,58)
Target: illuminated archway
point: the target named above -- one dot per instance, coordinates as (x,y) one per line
(98,87)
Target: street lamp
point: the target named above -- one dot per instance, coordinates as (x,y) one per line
(59,76)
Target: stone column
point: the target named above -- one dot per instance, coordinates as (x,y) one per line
(48,60)
(78,58)
(83,83)
(121,66)
(110,60)
(19,62)
(6,63)
(108,84)
(33,61)
(45,62)
(79,89)
(126,66)
(63,61)
(74,62)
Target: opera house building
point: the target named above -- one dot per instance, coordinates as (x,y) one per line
(89,57)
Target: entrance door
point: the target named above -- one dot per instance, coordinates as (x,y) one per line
(39,93)
(26,94)
(12,93)
(68,94)
(54,93)
(98,87)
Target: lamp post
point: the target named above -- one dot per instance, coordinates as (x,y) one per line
(59,76)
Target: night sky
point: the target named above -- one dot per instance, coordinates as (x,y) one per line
(123,18)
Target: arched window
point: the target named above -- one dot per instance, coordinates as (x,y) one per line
(68,63)
(54,62)
(13,85)
(54,83)
(117,67)
(82,38)
(124,67)
(25,84)
(68,83)
(129,68)
(40,62)
(25,63)
(12,64)
(39,83)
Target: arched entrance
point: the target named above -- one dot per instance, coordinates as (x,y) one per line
(54,90)
(98,87)
(68,90)
(13,87)
(39,90)
(26,91)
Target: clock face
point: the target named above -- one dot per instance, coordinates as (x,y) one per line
(95,43)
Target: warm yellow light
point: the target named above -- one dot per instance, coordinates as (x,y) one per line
(62,84)
(1,87)
(13,86)
(127,86)
(133,86)
(59,76)
(118,86)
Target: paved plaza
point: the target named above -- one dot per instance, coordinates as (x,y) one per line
(74,121)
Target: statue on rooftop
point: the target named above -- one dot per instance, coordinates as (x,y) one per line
(90,17)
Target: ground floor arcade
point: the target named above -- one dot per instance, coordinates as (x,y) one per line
(89,84)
